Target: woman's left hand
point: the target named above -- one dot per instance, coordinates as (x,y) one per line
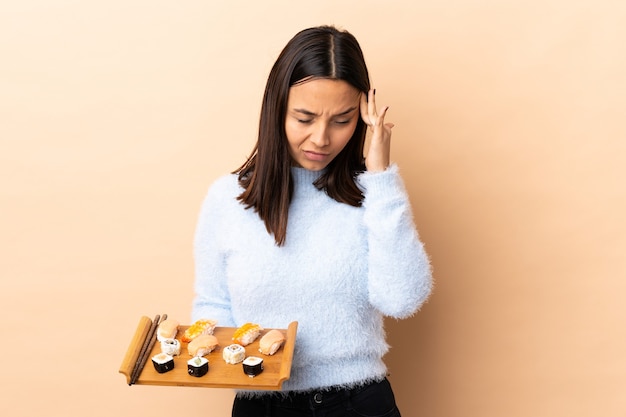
(378,155)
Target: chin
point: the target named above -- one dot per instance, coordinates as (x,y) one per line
(312,166)
(309,165)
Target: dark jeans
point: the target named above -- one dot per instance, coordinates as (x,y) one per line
(372,400)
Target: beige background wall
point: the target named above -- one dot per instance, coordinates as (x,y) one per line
(115,117)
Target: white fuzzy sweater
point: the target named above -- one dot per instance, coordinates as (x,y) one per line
(341,270)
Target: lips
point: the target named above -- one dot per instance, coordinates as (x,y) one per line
(315,156)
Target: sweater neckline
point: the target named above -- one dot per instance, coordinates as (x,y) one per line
(305,176)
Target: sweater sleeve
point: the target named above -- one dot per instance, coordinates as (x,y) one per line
(400,276)
(212,299)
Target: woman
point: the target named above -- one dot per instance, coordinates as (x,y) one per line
(306,230)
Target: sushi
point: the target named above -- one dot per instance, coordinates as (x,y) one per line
(202,345)
(252,366)
(271,342)
(200,327)
(167,329)
(170,347)
(247,334)
(234,354)
(163,362)
(197,366)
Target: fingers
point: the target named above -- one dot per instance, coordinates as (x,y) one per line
(364,110)
(371,104)
(380,121)
(378,154)
(369,113)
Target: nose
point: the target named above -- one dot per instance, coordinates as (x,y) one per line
(320,136)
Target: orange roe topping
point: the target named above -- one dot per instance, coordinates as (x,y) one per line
(245,329)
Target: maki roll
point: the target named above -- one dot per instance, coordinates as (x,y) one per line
(170,347)
(198,366)
(252,366)
(247,333)
(163,362)
(234,354)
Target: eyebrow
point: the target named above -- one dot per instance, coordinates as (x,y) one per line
(310,113)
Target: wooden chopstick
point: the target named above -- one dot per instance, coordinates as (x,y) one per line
(151,344)
(146,348)
(142,352)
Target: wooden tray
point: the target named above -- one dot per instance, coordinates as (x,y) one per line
(277,368)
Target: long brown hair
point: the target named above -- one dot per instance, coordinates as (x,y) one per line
(319,52)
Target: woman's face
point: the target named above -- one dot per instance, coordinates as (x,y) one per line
(321,117)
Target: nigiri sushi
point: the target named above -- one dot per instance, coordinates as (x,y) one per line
(247,334)
(200,327)
(202,345)
(271,342)
(167,329)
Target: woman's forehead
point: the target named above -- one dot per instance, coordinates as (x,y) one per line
(323,96)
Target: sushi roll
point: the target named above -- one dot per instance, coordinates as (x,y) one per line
(163,362)
(200,327)
(202,345)
(170,347)
(197,366)
(167,329)
(234,354)
(271,342)
(252,366)
(247,334)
